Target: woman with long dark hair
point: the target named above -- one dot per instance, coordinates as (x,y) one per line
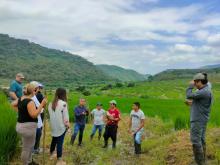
(59,122)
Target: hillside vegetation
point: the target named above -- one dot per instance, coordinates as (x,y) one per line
(50,66)
(176,74)
(121,73)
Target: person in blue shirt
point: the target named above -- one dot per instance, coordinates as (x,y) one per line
(80,113)
(16,89)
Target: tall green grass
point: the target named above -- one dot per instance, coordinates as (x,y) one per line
(8,135)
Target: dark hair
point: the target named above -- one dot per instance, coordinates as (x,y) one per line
(59,95)
(205,81)
(137,104)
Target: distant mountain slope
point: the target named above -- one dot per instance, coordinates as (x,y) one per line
(211,66)
(171,74)
(121,73)
(49,66)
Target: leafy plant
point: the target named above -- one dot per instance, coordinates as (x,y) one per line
(8,135)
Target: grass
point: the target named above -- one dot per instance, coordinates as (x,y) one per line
(166,130)
(161,145)
(8,135)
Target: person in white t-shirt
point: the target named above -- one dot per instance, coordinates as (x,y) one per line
(136,126)
(99,115)
(59,122)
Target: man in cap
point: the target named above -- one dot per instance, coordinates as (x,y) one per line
(200,111)
(99,115)
(113,117)
(16,90)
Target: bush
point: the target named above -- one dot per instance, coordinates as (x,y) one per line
(86,93)
(81,88)
(131,85)
(8,135)
(107,87)
(118,85)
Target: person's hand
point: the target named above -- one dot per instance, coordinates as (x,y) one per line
(192,83)
(189,102)
(110,117)
(83,113)
(44,102)
(67,124)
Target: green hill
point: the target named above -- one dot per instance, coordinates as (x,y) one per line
(171,74)
(50,66)
(211,66)
(121,73)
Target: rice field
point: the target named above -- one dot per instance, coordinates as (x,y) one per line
(8,135)
(162,101)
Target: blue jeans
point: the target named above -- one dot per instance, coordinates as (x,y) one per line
(94,129)
(57,142)
(78,128)
(37,139)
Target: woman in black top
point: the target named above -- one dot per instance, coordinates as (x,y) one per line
(27,122)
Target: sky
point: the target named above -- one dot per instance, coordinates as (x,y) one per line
(148,36)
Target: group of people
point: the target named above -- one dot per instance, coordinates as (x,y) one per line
(31,104)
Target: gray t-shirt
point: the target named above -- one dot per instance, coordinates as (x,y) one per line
(136,118)
(98,116)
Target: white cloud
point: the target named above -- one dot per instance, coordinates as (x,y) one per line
(183,48)
(201,34)
(214,40)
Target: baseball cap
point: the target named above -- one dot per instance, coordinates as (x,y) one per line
(20,75)
(35,84)
(113,102)
(199,76)
(40,85)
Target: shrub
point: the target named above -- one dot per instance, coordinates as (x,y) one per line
(86,93)
(131,84)
(8,135)
(118,85)
(81,88)
(107,87)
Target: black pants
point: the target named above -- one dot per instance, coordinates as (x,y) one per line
(111,132)
(57,142)
(137,147)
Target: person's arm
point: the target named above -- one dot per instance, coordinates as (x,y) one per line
(117,118)
(195,95)
(15,105)
(66,116)
(77,112)
(12,91)
(13,95)
(105,119)
(33,112)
